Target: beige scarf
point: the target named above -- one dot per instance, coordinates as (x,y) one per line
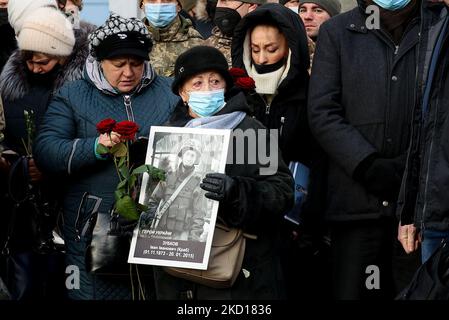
(266,83)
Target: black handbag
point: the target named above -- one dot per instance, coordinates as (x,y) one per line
(431,280)
(111,238)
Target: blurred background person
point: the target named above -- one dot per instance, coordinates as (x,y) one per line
(172,33)
(228,14)
(199,12)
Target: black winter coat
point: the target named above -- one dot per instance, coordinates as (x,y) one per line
(360,101)
(9,44)
(287,112)
(262,202)
(423,198)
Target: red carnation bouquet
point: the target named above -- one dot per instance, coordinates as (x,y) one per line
(242,80)
(125,192)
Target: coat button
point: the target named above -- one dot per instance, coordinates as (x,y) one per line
(389,140)
(385,203)
(394,78)
(352,25)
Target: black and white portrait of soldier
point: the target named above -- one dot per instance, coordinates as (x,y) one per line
(178,204)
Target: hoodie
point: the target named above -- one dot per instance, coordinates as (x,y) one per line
(286,108)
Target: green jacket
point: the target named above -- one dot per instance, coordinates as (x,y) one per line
(170,42)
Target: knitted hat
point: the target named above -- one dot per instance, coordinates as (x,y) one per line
(333,7)
(120,36)
(18,10)
(200,59)
(47,30)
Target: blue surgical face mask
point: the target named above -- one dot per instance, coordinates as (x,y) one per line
(392,5)
(206,103)
(161,15)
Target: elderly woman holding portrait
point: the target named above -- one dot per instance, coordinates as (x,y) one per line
(119,83)
(249,198)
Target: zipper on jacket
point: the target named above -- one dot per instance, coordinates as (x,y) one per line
(396,50)
(128,107)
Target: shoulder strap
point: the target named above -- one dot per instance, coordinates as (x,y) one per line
(168,203)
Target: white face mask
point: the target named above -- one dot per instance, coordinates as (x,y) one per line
(294,9)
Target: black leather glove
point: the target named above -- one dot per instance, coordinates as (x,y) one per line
(383,177)
(220,187)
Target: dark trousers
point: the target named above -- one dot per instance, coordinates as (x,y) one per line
(367,253)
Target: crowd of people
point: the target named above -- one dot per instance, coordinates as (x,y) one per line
(361,107)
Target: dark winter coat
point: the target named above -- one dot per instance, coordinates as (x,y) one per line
(262,202)
(423,199)
(65,146)
(9,44)
(287,111)
(22,90)
(360,100)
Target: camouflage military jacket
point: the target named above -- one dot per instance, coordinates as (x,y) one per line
(222,43)
(170,42)
(187,212)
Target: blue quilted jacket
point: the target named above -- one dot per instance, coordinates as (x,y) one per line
(65,146)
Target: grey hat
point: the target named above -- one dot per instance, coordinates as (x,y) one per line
(333,7)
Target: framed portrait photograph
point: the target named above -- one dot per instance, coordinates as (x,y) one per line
(178,227)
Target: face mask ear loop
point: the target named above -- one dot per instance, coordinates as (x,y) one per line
(239,6)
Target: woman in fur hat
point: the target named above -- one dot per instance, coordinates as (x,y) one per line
(249,198)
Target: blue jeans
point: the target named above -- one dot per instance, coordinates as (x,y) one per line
(431,240)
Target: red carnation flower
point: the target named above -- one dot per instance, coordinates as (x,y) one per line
(106,125)
(246,83)
(237,72)
(127,130)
